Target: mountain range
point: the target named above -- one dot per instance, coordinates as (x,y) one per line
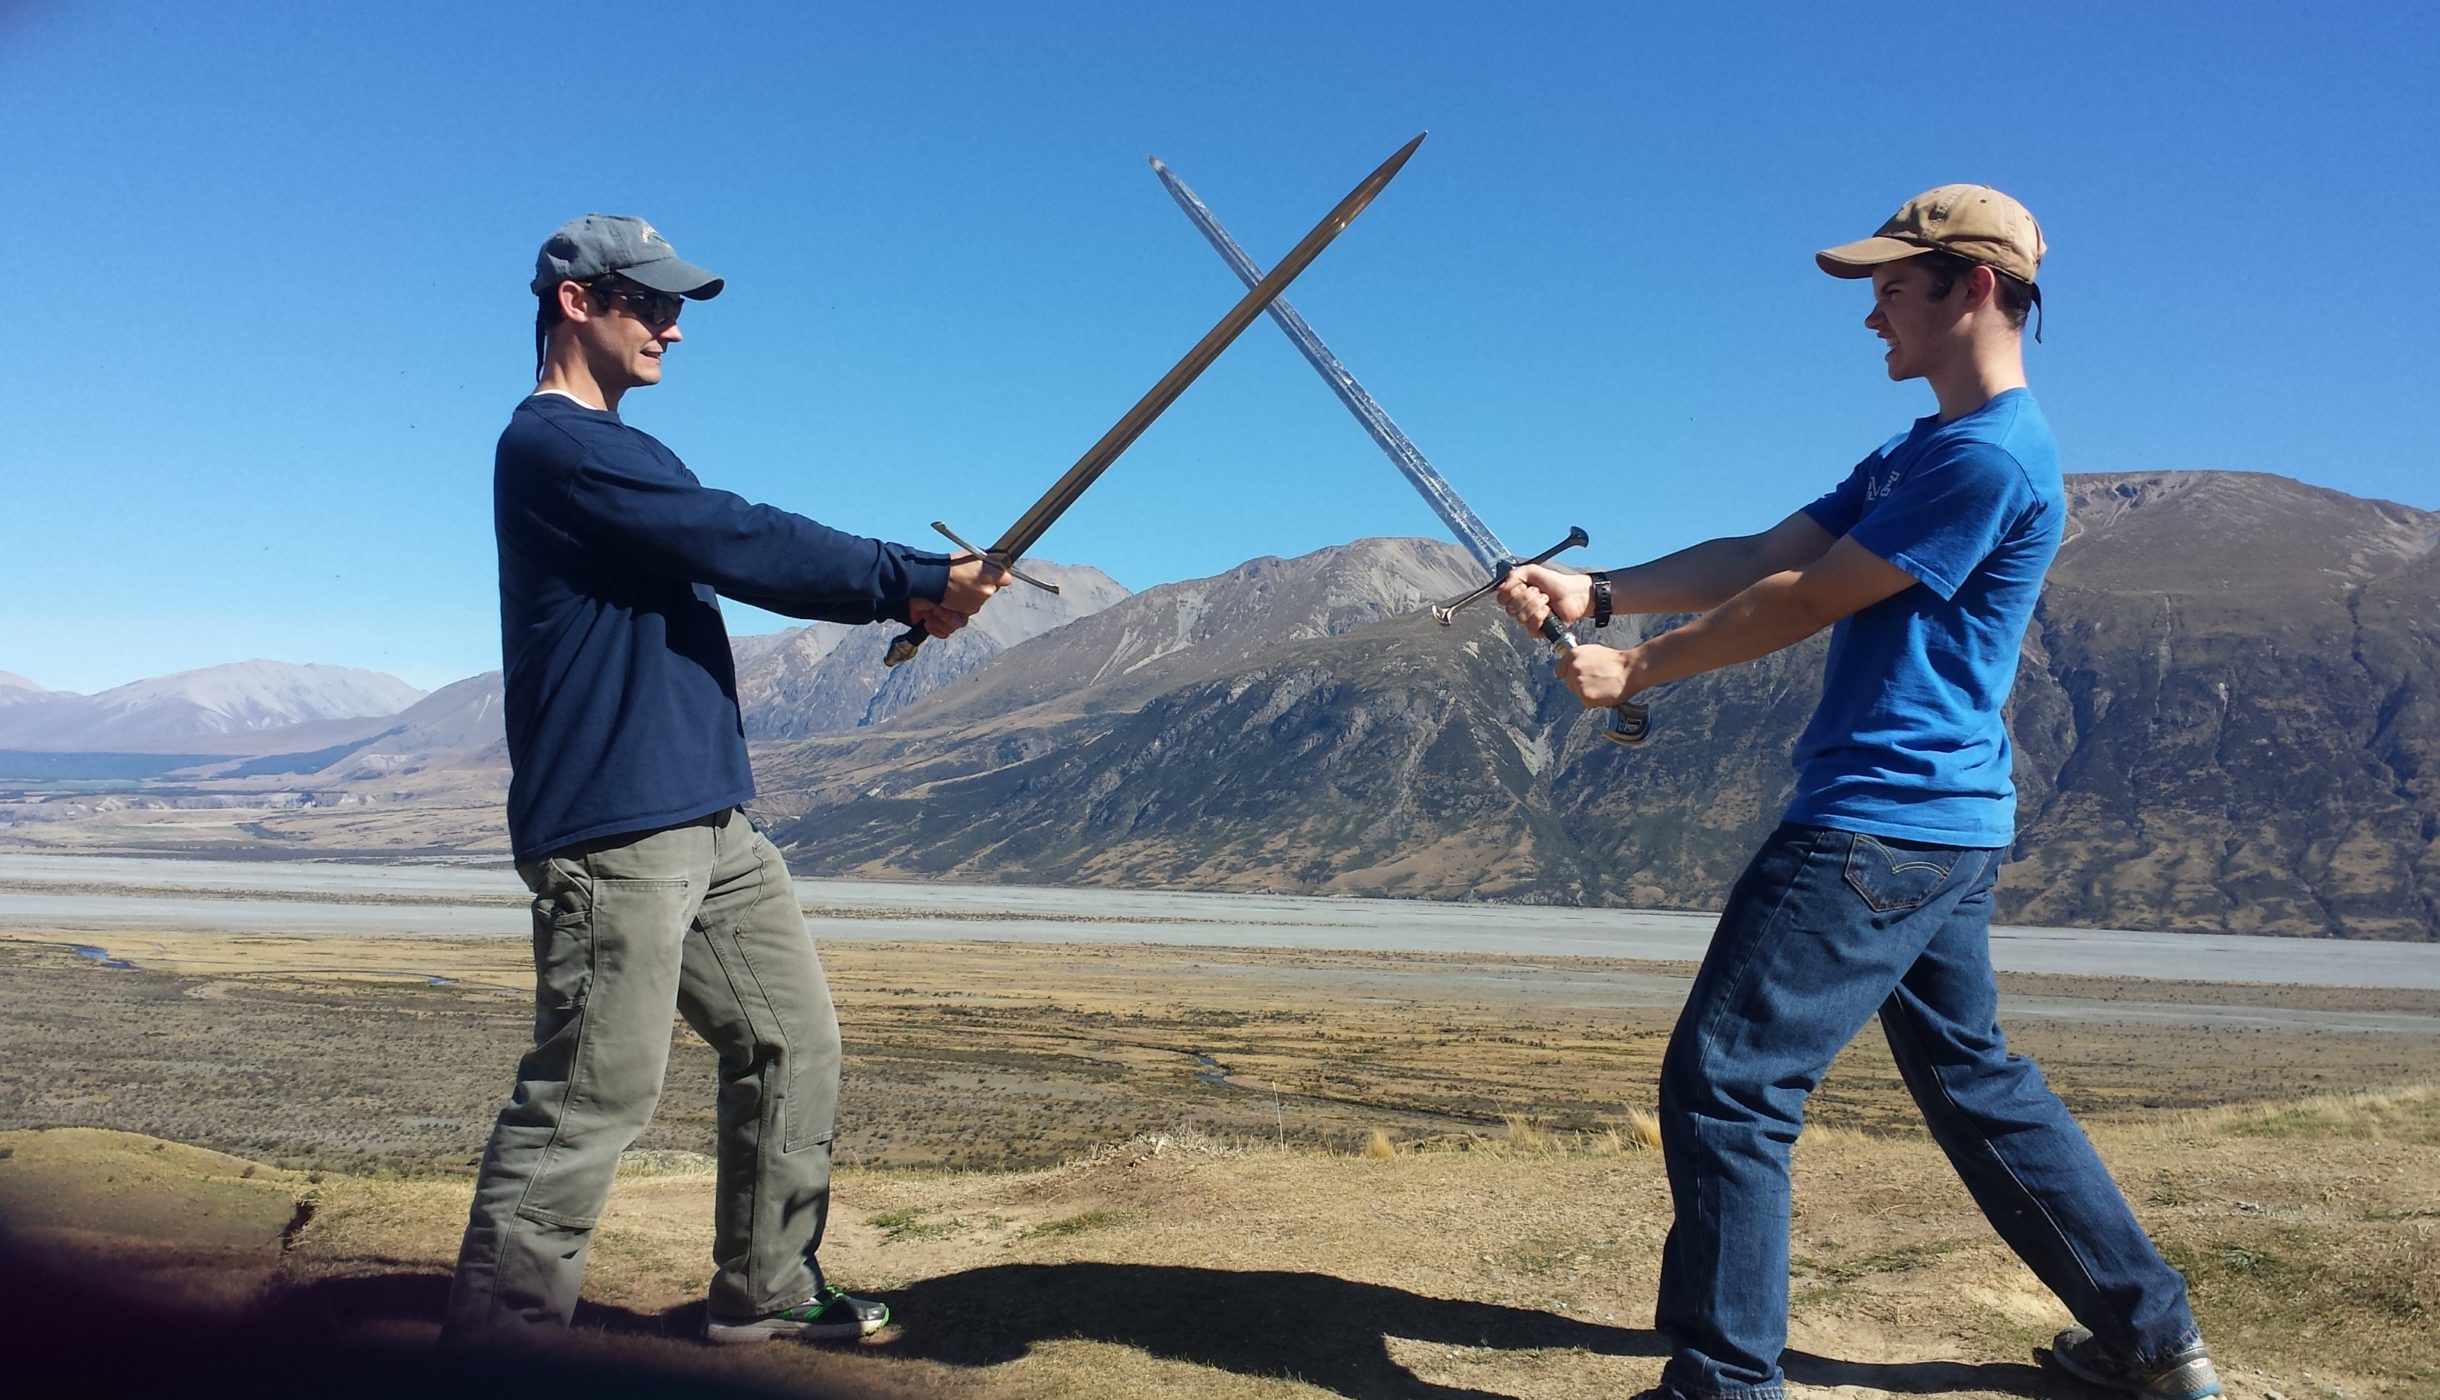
(212,710)
(2225,718)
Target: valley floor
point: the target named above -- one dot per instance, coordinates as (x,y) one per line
(1121,1171)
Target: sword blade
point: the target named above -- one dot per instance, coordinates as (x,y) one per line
(1131,424)
(1477,538)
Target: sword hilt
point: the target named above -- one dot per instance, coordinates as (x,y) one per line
(1630,723)
(903,649)
(1444,613)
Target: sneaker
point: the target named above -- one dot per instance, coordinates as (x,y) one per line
(2188,1375)
(832,1315)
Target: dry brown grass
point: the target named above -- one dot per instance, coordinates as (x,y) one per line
(1500,1270)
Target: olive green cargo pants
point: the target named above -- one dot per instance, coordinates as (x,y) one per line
(700,919)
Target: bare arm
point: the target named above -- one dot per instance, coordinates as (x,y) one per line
(1774,612)
(1709,574)
(1691,580)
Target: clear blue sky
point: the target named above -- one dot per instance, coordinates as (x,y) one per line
(270,307)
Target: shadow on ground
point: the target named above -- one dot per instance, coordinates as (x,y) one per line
(1325,1331)
(79,1331)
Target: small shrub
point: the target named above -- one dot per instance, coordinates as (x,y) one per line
(1079,1224)
(909,1224)
(1378,1145)
(2167,1190)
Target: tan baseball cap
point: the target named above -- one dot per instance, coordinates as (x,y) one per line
(1975,222)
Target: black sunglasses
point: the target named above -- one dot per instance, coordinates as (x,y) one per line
(655,309)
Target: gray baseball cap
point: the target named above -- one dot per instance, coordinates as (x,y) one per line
(599,244)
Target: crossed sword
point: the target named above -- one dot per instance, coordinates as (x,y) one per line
(1629,723)
(1097,458)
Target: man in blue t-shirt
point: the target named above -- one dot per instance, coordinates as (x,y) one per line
(1875,891)
(653,893)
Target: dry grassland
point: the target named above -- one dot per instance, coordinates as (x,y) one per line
(393,1052)
(1119,1171)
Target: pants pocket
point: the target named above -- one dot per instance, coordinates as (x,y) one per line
(563,942)
(1892,875)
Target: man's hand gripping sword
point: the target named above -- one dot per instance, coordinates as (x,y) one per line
(1100,455)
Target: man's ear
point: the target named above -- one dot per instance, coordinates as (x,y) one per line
(1981,286)
(575,303)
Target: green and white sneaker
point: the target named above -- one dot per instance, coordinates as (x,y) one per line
(832,1315)
(2188,1375)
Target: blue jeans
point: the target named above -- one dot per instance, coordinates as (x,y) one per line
(1823,928)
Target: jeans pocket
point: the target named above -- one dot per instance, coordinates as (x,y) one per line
(1895,875)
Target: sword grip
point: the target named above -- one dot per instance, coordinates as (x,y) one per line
(1630,723)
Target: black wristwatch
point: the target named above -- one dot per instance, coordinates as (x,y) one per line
(1601,599)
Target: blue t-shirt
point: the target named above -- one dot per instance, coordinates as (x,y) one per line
(620,694)
(1908,741)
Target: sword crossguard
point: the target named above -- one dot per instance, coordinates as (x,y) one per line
(1445,613)
(1007,566)
(902,650)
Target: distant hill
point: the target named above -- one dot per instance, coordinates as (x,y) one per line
(826,677)
(2226,720)
(171,712)
(15,688)
(456,730)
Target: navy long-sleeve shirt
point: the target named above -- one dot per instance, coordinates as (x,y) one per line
(620,693)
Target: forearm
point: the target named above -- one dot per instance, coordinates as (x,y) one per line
(1705,576)
(1762,618)
(838,577)
(1694,579)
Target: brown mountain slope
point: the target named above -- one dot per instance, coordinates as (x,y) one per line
(2225,720)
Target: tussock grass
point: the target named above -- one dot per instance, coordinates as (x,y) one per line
(1523,1136)
(2410,1113)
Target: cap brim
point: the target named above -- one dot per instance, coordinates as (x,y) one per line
(676,276)
(1859,258)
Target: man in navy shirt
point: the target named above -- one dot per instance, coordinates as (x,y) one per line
(1875,891)
(653,893)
